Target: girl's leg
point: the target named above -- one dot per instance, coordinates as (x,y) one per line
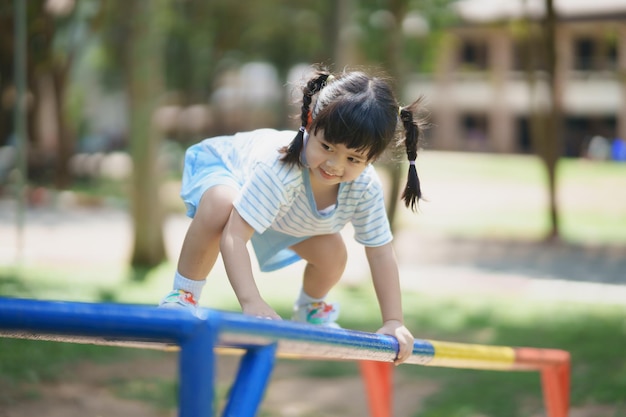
(201,245)
(326,258)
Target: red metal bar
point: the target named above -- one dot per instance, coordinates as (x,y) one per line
(378,380)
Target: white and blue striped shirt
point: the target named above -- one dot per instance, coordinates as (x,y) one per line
(277,201)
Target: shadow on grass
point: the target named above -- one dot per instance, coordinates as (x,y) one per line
(138,274)
(53,284)
(12,283)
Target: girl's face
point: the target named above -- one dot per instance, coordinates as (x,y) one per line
(330,163)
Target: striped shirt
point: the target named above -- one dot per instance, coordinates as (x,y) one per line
(276,199)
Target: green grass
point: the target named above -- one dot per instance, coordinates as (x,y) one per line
(162,394)
(482,195)
(594,334)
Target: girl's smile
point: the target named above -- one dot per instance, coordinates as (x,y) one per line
(332,164)
(328,175)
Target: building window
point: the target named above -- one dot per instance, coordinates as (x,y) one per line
(584,50)
(475,132)
(473,55)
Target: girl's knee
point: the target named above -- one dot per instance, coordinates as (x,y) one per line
(339,251)
(215,206)
(330,252)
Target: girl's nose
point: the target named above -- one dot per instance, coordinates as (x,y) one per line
(333,165)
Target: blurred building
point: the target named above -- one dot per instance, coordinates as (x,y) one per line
(481,97)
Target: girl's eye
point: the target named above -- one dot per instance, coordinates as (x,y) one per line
(325,147)
(354,160)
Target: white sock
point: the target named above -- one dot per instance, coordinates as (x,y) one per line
(189,285)
(304,299)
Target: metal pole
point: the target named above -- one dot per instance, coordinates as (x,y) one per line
(20,109)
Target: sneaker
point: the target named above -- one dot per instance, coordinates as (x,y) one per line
(318,313)
(179,299)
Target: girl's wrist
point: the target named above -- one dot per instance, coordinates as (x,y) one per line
(393,321)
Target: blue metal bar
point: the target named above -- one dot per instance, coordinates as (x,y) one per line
(254,373)
(197,373)
(106,323)
(91,320)
(147,326)
(297,339)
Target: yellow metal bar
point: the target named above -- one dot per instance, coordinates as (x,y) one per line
(460,355)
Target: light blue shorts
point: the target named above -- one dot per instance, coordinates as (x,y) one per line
(203,169)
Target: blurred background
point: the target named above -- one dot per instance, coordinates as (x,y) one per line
(112,94)
(521,238)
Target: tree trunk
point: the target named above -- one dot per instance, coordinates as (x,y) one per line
(396,69)
(552,140)
(545,128)
(144,66)
(66,135)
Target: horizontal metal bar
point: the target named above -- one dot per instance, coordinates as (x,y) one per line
(150,327)
(104,322)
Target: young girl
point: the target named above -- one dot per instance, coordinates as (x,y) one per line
(291,197)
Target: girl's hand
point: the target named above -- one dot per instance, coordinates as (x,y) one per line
(405,339)
(260,309)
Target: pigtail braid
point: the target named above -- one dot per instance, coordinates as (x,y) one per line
(312,87)
(412,192)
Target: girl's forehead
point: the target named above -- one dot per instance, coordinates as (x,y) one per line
(360,151)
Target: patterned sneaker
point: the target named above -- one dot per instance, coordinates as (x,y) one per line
(180,299)
(319,313)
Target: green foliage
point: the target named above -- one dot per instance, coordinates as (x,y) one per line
(419,52)
(204,38)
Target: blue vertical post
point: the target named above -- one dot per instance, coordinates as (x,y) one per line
(197,373)
(251,381)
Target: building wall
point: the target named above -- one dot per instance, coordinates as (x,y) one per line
(481,98)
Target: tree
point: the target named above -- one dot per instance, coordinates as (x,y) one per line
(145,86)
(396,66)
(132,38)
(551,148)
(384,42)
(51,49)
(545,125)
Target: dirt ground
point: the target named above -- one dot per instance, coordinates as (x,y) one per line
(88,390)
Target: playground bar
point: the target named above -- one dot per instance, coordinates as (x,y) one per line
(199,338)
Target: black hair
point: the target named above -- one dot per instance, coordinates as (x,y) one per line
(362,113)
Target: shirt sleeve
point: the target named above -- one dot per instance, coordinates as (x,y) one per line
(371,225)
(261,198)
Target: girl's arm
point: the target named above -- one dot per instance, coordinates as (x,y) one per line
(384,269)
(236,258)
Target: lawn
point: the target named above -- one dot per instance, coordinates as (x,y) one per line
(469,196)
(506,196)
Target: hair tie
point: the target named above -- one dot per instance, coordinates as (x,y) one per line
(302,129)
(412,162)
